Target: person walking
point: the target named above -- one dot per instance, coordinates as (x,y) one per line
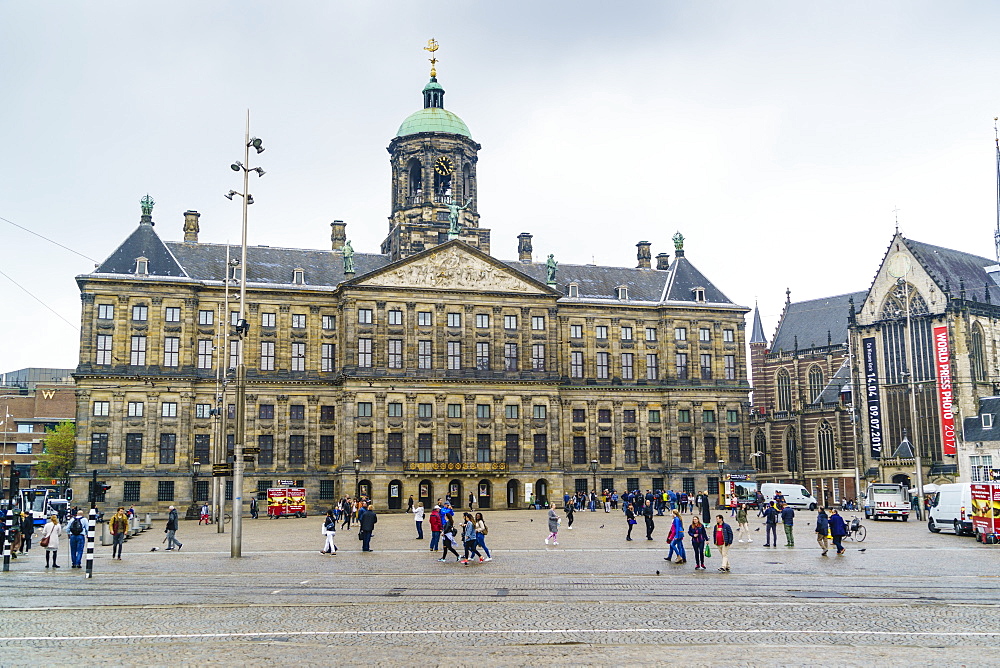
(77,539)
(823,530)
(27,531)
(743,523)
(630,519)
(50,540)
(472,500)
(330,532)
(481,531)
(409,504)
(771,517)
(838,529)
(435,522)
(698,539)
(569,514)
(203,515)
(366,522)
(119,529)
(788,519)
(722,535)
(254,511)
(676,538)
(171,530)
(469,539)
(418,518)
(647,516)
(553,528)
(706,508)
(346,510)
(448,539)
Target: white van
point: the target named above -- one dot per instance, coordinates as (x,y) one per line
(952,509)
(796,496)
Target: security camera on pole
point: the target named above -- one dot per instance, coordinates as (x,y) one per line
(242,328)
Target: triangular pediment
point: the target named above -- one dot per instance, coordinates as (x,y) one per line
(453,266)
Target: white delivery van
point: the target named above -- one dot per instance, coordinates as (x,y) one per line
(886,500)
(952,509)
(796,496)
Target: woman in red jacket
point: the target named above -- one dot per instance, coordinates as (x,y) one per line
(435,521)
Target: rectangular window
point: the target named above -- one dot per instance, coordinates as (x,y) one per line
(732,417)
(364,447)
(510,356)
(626,333)
(326,450)
(483,356)
(133,448)
(203,411)
(454,410)
(265,412)
(231,411)
(654,416)
(579,415)
(539,411)
(652,366)
(483,411)
(425,354)
(735,451)
(482,320)
(164,490)
(168,409)
(172,314)
(512,411)
(631,450)
(627,367)
(651,334)
(684,415)
(394,447)
(454,354)
(601,331)
(541,452)
(267,356)
(105,311)
(730,366)
(655,450)
(327,490)
(394,409)
(297,412)
(708,416)
(538,357)
(604,449)
(140,313)
(171,348)
(604,415)
(395,316)
(628,416)
(103,349)
(168,448)
(296,450)
(681,366)
(512,449)
(425,411)
(131,491)
(454,448)
(680,334)
(205,353)
(686,452)
(704,334)
(483,443)
(579,450)
(454,319)
(234,318)
(576,364)
(206,317)
(266,444)
(510,322)
(727,336)
(327,356)
(138,351)
(98,448)
(298,357)
(710,453)
(267,319)
(576,331)
(365,353)
(234,354)
(298,321)
(327,413)
(688,486)
(706,367)
(425,448)
(602,365)
(135,409)
(538,322)
(424,319)
(329,322)
(394,349)
(364,316)
(102,408)
(202,448)
(364,409)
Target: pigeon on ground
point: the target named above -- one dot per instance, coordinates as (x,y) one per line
(154,549)
(657,572)
(601,527)
(757,529)
(862,549)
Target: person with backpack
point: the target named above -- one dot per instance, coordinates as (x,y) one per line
(448,539)
(77,539)
(481,531)
(119,529)
(171,530)
(771,526)
(330,531)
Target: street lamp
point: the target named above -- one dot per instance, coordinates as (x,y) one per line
(357,488)
(195,470)
(722,485)
(593,470)
(242,329)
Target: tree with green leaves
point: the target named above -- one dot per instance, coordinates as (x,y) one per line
(59,452)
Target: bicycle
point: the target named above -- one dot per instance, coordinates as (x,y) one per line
(856,530)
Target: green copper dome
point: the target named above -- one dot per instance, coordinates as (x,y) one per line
(433,119)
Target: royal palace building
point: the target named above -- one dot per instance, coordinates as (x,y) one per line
(429,368)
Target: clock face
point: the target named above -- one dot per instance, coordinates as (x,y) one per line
(443,166)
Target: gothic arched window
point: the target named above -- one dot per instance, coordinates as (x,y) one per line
(815,383)
(415,178)
(784,384)
(467,181)
(760,445)
(827,451)
(977,354)
(791,450)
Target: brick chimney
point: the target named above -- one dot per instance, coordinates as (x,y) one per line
(191,226)
(524,247)
(663,261)
(642,254)
(338,234)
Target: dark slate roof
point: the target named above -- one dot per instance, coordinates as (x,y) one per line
(949,268)
(972,427)
(684,278)
(812,322)
(598,282)
(831,393)
(757,334)
(143,242)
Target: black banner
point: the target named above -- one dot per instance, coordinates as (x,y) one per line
(873,399)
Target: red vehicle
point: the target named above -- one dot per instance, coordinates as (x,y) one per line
(286,502)
(986,512)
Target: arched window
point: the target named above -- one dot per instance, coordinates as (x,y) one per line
(977,354)
(815,383)
(784,391)
(827,452)
(760,445)
(467,182)
(791,451)
(415,178)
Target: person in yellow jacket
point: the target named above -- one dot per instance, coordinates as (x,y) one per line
(119,529)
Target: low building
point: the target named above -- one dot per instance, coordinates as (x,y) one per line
(26,415)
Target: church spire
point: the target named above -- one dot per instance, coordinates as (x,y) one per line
(757,333)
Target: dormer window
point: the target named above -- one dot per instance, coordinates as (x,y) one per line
(574,290)
(142,266)
(698,294)
(987,420)
(621,292)
(299,276)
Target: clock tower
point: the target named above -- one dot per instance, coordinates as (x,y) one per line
(433,159)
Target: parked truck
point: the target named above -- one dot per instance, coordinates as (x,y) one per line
(886,500)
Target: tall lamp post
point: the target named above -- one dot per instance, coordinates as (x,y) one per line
(722,485)
(357,484)
(242,328)
(195,470)
(593,471)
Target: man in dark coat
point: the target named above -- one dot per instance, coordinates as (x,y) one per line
(647,516)
(706,509)
(367,523)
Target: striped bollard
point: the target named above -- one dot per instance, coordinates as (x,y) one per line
(8,522)
(91,524)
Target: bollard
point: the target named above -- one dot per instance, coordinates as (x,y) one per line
(134,525)
(149,521)
(105,536)
(8,522)
(91,524)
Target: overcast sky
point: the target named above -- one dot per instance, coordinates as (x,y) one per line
(778,137)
